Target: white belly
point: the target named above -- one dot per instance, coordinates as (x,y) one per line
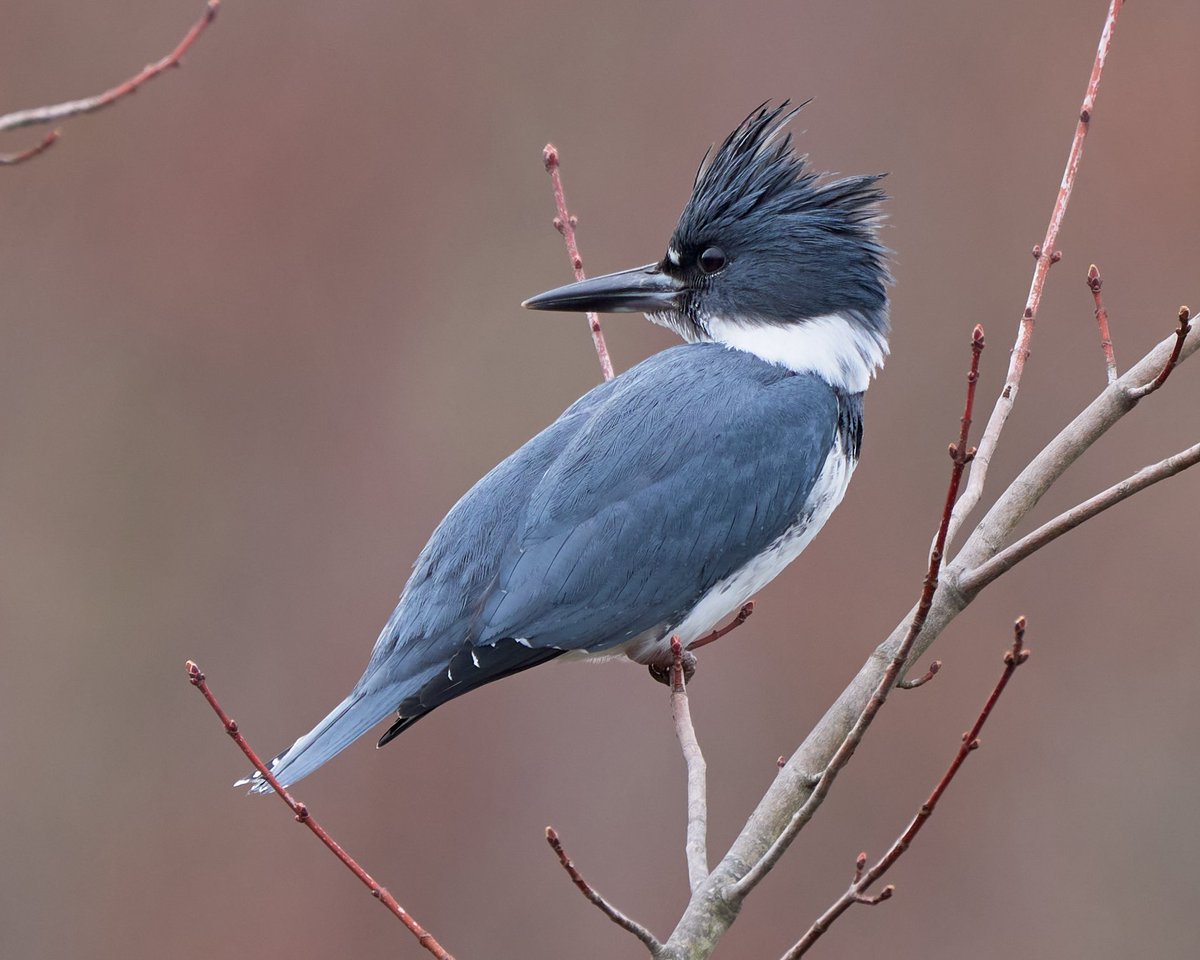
(728,595)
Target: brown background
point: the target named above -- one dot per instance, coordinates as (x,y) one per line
(260,329)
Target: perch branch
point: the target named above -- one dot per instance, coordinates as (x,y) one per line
(1045,258)
(960,455)
(696,845)
(74,108)
(565,224)
(613,914)
(1095,282)
(424,937)
(864,878)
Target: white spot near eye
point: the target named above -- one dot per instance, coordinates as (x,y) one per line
(674,256)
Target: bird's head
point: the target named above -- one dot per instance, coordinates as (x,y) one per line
(767,257)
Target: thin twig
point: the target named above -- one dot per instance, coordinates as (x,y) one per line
(74,108)
(921,680)
(1095,282)
(11,159)
(424,937)
(696,846)
(742,616)
(864,878)
(613,914)
(1010,556)
(960,455)
(1185,327)
(565,224)
(1008,395)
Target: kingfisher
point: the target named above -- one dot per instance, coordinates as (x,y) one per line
(662,500)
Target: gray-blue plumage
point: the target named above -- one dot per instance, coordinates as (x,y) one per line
(659,501)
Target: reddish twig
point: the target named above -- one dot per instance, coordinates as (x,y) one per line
(565,224)
(742,616)
(696,845)
(11,159)
(1185,327)
(1016,366)
(613,914)
(424,937)
(74,108)
(864,878)
(923,679)
(960,455)
(1094,283)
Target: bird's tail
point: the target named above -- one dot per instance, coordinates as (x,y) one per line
(349,720)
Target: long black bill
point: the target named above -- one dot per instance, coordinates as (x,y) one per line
(643,289)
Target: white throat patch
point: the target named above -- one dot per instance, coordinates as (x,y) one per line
(841,351)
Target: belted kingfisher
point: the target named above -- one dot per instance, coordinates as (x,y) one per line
(662,500)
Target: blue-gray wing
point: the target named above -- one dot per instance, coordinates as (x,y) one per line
(689,466)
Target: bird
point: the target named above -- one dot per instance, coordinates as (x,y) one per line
(664,498)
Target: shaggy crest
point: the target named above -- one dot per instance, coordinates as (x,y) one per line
(755,171)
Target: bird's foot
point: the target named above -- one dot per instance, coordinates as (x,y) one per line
(662,671)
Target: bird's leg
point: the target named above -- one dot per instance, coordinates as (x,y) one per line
(742,616)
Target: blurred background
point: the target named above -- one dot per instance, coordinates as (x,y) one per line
(260,328)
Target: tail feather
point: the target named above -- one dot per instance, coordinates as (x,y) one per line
(348,721)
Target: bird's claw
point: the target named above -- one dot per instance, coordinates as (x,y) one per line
(662,671)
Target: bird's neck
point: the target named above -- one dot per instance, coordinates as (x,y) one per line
(843,350)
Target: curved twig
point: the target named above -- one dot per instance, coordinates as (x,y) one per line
(613,914)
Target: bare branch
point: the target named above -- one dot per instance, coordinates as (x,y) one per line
(1185,328)
(74,108)
(960,456)
(613,914)
(696,846)
(1006,559)
(565,224)
(1094,283)
(1008,395)
(742,616)
(864,878)
(380,893)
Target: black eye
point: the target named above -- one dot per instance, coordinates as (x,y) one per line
(711,260)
